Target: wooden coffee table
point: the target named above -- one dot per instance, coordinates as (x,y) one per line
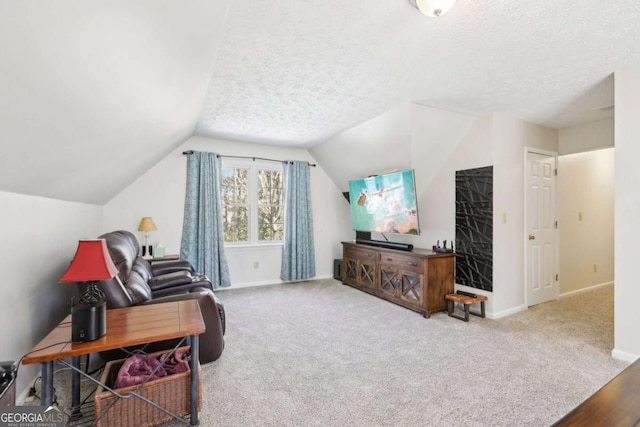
(125,327)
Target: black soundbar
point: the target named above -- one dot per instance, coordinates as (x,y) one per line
(384,244)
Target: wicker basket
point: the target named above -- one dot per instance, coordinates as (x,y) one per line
(171,392)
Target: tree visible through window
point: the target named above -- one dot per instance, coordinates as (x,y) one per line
(270,205)
(252,204)
(235,204)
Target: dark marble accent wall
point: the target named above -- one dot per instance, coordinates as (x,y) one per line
(474,228)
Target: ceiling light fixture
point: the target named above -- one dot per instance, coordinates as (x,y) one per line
(433,8)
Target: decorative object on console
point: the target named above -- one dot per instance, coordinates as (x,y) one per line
(443,249)
(91,263)
(433,8)
(147,225)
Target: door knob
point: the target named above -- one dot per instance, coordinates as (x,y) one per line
(532,237)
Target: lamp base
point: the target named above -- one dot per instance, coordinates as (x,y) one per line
(147,251)
(88,321)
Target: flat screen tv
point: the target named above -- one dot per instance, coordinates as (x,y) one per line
(385,203)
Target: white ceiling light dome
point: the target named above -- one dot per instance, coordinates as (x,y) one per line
(434,8)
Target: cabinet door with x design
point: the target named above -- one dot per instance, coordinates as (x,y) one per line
(401,277)
(359,267)
(418,280)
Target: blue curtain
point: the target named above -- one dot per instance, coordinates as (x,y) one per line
(202,233)
(298,253)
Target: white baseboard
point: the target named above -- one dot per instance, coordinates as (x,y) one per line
(518,309)
(323,277)
(587,289)
(270,282)
(508,312)
(624,356)
(249,285)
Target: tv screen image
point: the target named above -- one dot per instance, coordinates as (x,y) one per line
(385,203)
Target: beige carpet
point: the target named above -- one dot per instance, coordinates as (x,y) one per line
(323,354)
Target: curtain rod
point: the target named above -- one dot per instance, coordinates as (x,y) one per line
(248,157)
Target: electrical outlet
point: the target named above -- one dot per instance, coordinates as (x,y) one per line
(504,217)
(595,268)
(256,265)
(579,216)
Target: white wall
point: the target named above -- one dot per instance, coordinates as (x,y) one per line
(510,137)
(467,144)
(586,137)
(160,193)
(410,136)
(377,146)
(441,142)
(585,189)
(627,214)
(39,238)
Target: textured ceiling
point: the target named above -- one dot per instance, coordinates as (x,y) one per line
(92,94)
(298,72)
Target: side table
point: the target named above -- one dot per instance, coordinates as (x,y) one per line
(467,301)
(125,327)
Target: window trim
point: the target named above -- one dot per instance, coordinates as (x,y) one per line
(253,166)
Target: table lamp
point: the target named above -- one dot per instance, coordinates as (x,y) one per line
(147,225)
(91,263)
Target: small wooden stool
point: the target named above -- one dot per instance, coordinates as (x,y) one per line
(467,301)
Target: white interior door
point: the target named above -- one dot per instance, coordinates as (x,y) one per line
(541,237)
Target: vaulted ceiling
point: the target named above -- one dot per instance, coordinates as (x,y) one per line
(94,93)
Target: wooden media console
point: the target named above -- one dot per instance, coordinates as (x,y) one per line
(417,280)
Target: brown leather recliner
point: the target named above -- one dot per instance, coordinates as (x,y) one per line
(140,282)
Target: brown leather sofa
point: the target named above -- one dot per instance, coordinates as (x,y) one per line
(140,282)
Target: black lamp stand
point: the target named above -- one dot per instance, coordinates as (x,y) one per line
(89,316)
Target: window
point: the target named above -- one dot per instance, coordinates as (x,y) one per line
(235,204)
(252,203)
(270,206)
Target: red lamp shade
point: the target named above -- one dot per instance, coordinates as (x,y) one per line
(90,263)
